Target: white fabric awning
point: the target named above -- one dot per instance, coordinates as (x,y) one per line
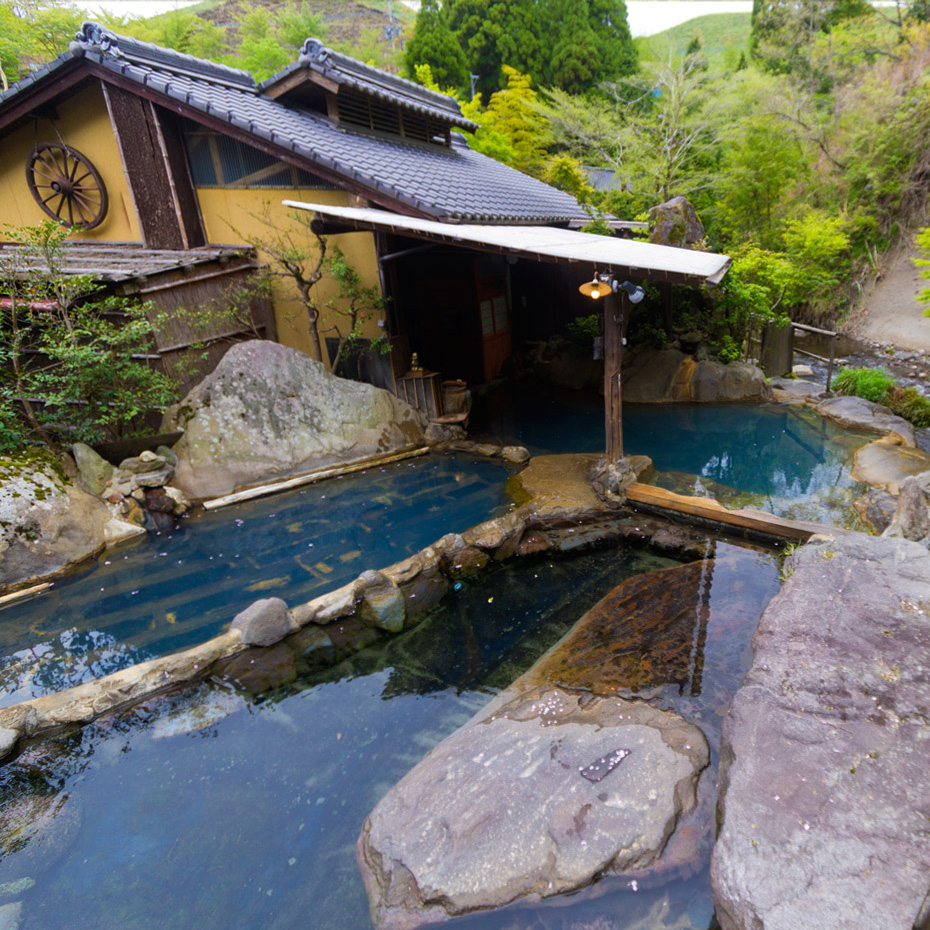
(625,258)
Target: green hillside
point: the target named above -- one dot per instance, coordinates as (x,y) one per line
(722,35)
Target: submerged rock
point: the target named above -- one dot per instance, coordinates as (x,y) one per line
(826,748)
(559,781)
(46,523)
(886,462)
(267,411)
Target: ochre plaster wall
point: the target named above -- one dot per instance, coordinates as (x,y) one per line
(83,122)
(234,216)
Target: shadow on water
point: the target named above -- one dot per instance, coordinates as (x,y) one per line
(212,809)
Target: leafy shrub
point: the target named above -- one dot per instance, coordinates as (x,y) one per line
(910,404)
(583,329)
(868,383)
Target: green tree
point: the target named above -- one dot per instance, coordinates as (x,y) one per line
(433,44)
(513,129)
(75,365)
(571,44)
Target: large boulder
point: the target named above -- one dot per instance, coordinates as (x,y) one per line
(665,376)
(267,411)
(676,223)
(46,522)
(826,749)
(559,781)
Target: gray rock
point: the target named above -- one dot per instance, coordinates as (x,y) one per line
(143,464)
(856,413)
(802,371)
(382,602)
(169,456)
(876,509)
(826,748)
(8,739)
(535,800)
(795,390)
(736,381)
(264,622)
(95,471)
(911,520)
(46,524)
(267,411)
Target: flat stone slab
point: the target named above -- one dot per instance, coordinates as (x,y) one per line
(561,484)
(558,781)
(885,463)
(826,749)
(856,413)
(796,390)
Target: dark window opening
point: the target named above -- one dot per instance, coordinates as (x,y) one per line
(220,161)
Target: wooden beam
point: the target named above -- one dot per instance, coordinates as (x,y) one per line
(179,175)
(22,106)
(613,350)
(706,508)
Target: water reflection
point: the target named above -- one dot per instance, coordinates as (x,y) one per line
(212,809)
(165,592)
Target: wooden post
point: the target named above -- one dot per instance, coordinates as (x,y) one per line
(613,348)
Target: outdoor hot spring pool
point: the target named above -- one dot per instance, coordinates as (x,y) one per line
(165,592)
(213,810)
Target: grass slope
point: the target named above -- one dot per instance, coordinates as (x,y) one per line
(723,36)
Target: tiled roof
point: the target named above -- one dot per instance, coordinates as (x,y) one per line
(453,184)
(349,72)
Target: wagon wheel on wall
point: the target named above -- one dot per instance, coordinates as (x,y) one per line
(66,185)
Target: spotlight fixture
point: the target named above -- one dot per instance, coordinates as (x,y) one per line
(633,291)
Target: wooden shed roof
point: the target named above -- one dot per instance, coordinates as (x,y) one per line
(114,261)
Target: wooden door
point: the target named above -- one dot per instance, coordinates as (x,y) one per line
(494,310)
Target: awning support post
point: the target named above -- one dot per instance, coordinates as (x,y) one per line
(614,307)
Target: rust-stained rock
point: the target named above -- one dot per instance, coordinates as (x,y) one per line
(641,635)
